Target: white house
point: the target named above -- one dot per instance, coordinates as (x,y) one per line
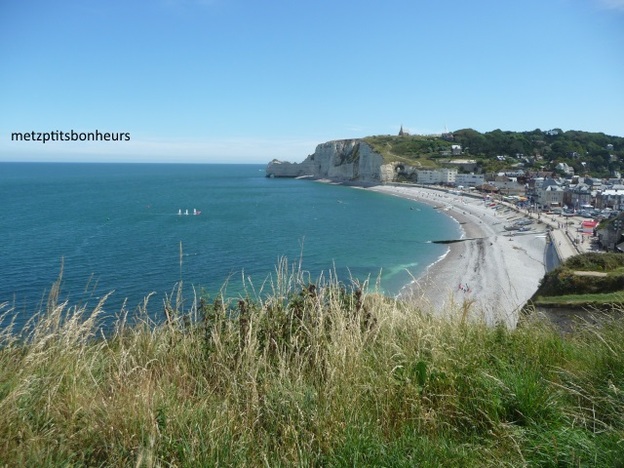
(568,170)
(469,180)
(549,192)
(551,196)
(436,176)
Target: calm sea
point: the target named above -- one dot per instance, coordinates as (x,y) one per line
(116,227)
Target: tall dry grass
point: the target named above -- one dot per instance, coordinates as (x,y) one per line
(306,373)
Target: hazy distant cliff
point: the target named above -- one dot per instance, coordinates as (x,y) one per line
(343,160)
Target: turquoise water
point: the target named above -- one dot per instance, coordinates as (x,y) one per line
(115,227)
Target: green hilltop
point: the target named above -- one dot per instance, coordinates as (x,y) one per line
(416,150)
(597,153)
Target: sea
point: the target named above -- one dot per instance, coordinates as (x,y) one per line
(123,229)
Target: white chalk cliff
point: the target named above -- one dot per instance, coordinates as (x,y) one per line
(339,160)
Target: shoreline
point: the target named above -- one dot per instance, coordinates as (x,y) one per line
(489,275)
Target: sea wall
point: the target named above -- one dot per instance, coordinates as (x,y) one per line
(339,160)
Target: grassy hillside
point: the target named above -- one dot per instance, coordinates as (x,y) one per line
(413,149)
(596,153)
(596,278)
(309,375)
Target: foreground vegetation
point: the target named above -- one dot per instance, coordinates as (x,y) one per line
(567,284)
(308,374)
(597,300)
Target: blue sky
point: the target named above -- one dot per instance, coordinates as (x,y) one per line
(248,80)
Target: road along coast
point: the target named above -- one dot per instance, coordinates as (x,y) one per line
(488,276)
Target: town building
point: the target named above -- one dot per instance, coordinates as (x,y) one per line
(611,198)
(565,168)
(577,196)
(549,193)
(508,185)
(469,180)
(437,176)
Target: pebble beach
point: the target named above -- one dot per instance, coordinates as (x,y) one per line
(491,273)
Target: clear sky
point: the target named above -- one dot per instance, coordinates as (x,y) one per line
(250,80)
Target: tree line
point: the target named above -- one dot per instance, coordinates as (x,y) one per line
(597,153)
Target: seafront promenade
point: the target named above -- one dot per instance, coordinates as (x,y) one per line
(564,232)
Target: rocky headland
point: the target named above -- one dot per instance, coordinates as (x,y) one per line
(351,160)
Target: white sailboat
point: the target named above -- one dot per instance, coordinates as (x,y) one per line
(196,212)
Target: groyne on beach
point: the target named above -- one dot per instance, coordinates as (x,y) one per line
(492,273)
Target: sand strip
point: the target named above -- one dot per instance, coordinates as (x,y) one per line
(490,277)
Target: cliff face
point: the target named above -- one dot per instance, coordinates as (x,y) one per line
(341,160)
